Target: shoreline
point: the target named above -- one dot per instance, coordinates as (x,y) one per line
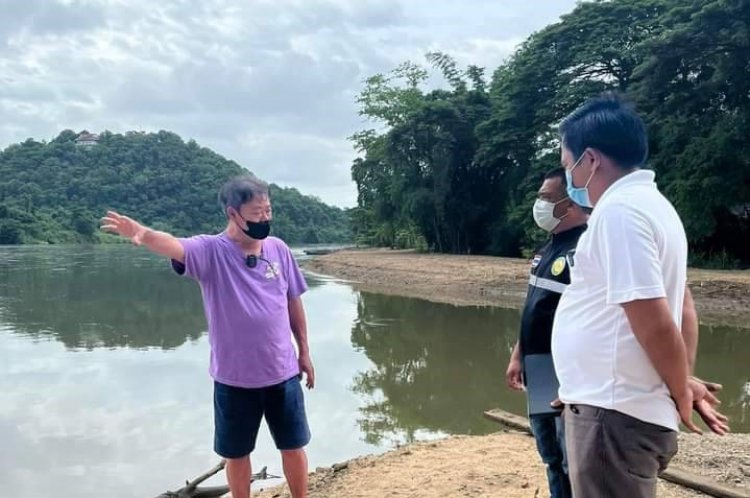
(504,463)
(722,297)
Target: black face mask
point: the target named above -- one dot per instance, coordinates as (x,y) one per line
(257,230)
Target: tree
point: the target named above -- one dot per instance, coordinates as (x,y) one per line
(419,173)
(461,165)
(62,190)
(695,87)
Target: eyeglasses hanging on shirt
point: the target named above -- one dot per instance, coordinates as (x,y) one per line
(251,261)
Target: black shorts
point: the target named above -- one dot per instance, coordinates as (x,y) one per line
(238,412)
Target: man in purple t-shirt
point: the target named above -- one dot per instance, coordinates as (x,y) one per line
(251,287)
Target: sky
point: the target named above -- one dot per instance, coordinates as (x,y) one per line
(270,84)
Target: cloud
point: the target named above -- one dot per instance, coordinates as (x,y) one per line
(43,18)
(270,84)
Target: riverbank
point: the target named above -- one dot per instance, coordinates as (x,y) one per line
(722,297)
(504,464)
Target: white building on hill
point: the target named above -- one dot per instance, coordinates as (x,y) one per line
(86,139)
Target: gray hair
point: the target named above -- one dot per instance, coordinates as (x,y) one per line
(241,189)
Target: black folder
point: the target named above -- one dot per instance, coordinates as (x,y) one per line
(541,383)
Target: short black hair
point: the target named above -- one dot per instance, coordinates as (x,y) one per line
(557,173)
(609,125)
(241,189)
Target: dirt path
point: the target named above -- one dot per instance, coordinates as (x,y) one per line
(722,297)
(499,465)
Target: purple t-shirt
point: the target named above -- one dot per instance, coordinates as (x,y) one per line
(247,308)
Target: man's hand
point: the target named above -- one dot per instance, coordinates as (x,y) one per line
(159,242)
(513,375)
(658,335)
(684,404)
(712,387)
(704,402)
(306,367)
(123,226)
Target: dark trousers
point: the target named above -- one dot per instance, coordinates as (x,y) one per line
(549,433)
(615,455)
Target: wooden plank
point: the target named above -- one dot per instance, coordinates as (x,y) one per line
(699,483)
(508,419)
(673,474)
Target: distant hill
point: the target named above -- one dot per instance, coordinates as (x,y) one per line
(55,192)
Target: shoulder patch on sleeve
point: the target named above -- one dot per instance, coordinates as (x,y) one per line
(558,266)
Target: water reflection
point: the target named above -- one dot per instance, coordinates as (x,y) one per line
(90,406)
(89,297)
(724,356)
(103,358)
(436,367)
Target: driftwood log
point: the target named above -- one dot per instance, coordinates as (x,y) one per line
(192,490)
(672,474)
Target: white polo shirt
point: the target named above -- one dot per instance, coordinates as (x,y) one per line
(635,248)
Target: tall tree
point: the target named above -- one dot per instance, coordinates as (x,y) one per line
(461,165)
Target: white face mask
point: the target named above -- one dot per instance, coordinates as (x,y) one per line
(544,214)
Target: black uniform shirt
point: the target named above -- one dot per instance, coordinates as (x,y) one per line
(550,274)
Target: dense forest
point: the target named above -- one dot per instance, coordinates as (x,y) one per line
(56,192)
(455,169)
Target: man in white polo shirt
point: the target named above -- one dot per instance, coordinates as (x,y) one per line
(619,350)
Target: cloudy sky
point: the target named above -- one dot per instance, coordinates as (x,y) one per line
(270,84)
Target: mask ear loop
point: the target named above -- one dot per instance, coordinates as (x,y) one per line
(239,225)
(593,171)
(555,205)
(576,164)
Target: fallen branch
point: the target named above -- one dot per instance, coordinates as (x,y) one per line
(191,489)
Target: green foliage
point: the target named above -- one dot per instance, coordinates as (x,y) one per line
(462,165)
(410,238)
(301,219)
(55,192)
(721,261)
(420,175)
(418,378)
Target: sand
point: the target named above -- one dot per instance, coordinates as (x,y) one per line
(505,465)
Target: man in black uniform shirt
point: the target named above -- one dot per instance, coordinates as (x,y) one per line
(550,274)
